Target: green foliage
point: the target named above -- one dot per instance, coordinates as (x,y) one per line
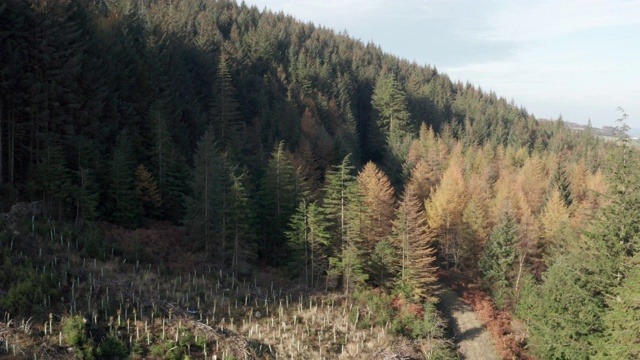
(124,204)
(341,203)
(26,289)
(583,308)
(498,259)
(73,329)
(112,348)
(278,197)
(309,242)
(384,264)
(203,210)
(390,104)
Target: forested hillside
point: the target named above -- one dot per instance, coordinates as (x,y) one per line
(272,142)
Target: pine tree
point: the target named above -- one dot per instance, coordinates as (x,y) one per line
(415,242)
(167,166)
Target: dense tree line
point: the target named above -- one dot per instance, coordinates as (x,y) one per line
(284,142)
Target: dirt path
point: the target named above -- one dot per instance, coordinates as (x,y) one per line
(470,335)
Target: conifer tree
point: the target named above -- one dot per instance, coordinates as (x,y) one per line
(623,318)
(309,241)
(378,205)
(498,259)
(147,190)
(586,307)
(240,223)
(554,218)
(424,179)
(125,205)
(225,116)
(52,181)
(278,196)
(390,104)
(444,213)
(204,213)
(342,205)
(415,242)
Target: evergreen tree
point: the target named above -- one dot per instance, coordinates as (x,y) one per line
(52,180)
(342,205)
(390,104)
(204,213)
(225,116)
(585,306)
(125,205)
(85,187)
(240,223)
(623,317)
(498,259)
(309,241)
(278,196)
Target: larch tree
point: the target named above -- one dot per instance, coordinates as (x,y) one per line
(415,243)
(378,205)
(554,219)
(424,179)
(148,192)
(444,213)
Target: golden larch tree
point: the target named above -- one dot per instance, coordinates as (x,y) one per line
(445,210)
(379,205)
(414,240)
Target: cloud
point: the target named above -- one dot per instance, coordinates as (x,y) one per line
(575,57)
(541,20)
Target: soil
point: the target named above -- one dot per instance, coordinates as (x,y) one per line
(470,335)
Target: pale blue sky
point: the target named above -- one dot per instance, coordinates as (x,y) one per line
(578,58)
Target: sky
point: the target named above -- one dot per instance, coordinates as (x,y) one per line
(575,58)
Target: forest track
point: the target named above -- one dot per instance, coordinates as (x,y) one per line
(470,335)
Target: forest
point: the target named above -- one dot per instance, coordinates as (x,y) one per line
(276,145)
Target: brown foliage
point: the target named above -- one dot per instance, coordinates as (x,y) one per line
(499,322)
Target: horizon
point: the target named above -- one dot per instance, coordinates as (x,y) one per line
(576,63)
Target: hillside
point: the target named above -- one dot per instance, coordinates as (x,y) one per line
(152,140)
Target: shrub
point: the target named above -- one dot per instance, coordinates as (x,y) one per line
(74,331)
(112,347)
